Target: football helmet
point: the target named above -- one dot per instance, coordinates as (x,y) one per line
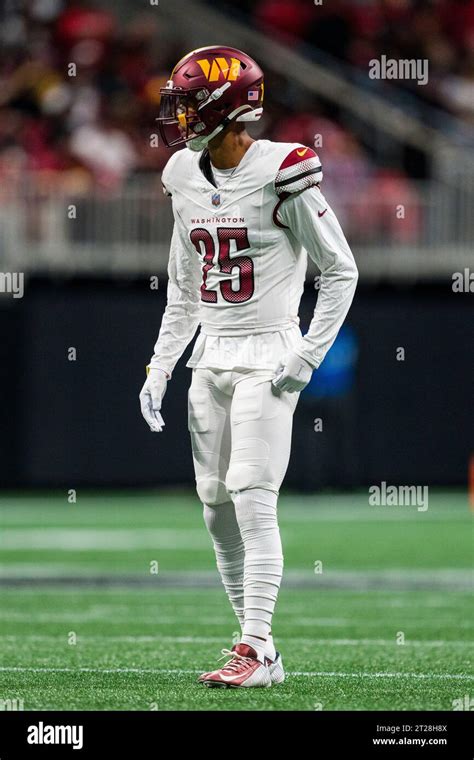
(207,89)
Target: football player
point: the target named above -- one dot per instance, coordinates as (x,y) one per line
(245,214)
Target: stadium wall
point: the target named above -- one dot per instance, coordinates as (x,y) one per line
(72,423)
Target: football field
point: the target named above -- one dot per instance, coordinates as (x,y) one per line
(114,603)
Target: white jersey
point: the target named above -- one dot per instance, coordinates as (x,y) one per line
(238,260)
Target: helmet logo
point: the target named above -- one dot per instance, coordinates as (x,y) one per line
(218,67)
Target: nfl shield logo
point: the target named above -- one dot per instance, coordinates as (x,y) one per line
(216,199)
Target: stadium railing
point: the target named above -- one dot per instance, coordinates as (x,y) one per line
(426,232)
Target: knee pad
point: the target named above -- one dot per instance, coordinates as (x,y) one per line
(211,491)
(248,466)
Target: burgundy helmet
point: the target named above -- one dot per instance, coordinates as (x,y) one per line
(209,88)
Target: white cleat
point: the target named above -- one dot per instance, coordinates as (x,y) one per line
(243,669)
(276,670)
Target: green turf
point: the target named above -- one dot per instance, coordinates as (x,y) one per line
(142,648)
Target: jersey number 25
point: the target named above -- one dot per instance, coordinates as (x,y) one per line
(225,263)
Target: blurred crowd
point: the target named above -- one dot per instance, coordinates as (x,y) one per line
(79,90)
(79,95)
(358,31)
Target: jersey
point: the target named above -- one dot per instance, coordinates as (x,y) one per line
(252,270)
(238,260)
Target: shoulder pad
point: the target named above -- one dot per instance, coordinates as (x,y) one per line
(301,168)
(169,173)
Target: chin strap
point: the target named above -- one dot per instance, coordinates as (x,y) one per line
(206,168)
(242,113)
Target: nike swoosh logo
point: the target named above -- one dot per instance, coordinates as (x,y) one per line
(321,213)
(302,152)
(228,679)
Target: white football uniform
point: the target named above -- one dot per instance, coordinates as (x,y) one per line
(237,268)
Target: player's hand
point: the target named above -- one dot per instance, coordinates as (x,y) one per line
(151,396)
(292,373)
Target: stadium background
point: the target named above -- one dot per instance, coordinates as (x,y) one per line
(84,139)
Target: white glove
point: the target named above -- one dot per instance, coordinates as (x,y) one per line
(292,373)
(151,396)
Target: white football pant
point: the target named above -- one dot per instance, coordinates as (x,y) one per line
(240,428)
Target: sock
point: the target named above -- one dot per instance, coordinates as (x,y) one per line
(256,514)
(270,650)
(224,530)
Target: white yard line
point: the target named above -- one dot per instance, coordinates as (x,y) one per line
(103,539)
(106,640)
(36,572)
(114,616)
(432,597)
(311,674)
(179,671)
(183,618)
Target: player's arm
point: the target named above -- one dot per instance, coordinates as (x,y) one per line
(312,221)
(178,326)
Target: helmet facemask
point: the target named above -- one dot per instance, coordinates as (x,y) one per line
(178,119)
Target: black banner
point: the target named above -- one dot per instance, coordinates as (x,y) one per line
(376,734)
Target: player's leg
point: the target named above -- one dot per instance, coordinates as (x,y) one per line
(209,426)
(261,426)
(261,423)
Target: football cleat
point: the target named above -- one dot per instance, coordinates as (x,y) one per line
(243,669)
(276,670)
